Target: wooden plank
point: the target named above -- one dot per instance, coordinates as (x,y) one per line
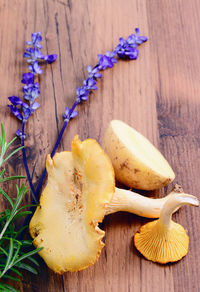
(157,94)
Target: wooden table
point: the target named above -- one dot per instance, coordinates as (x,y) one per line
(158,95)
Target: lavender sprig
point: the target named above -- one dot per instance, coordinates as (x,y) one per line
(23,110)
(126,50)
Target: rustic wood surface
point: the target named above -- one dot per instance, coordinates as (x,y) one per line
(158,95)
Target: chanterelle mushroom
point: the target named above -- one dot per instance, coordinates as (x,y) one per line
(80,184)
(79,193)
(163,240)
(137,163)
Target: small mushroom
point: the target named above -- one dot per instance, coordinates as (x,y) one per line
(137,163)
(80,191)
(163,240)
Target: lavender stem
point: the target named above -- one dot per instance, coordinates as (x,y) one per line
(54,150)
(26,165)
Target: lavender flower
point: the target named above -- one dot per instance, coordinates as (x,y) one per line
(81,94)
(27,78)
(127,49)
(15,112)
(106,61)
(36,38)
(34,54)
(35,68)
(20,135)
(50,58)
(69,114)
(31,89)
(94,72)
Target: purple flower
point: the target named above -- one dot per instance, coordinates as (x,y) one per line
(20,134)
(106,61)
(93,72)
(34,106)
(33,54)
(90,84)
(15,100)
(69,115)
(35,68)
(140,39)
(50,58)
(126,51)
(81,94)
(28,54)
(26,113)
(31,91)
(27,78)
(15,112)
(36,38)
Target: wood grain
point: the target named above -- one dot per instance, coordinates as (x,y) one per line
(158,95)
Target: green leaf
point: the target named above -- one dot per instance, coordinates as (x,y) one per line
(20,194)
(16,272)
(33,260)
(28,206)
(4,251)
(12,178)
(14,240)
(11,154)
(15,256)
(30,253)
(11,278)
(13,252)
(7,288)
(11,141)
(20,231)
(6,196)
(3,142)
(21,214)
(2,172)
(27,268)
(8,258)
(26,242)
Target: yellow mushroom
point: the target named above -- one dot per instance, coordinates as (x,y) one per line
(80,184)
(80,191)
(163,240)
(137,163)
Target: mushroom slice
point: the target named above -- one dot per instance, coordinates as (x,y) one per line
(80,184)
(163,240)
(137,163)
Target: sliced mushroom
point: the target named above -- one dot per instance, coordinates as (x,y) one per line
(80,184)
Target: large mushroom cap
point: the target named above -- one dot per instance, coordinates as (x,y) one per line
(80,184)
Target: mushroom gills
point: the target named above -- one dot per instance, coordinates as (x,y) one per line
(163,240)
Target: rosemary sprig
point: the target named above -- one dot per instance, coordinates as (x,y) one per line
(14,252)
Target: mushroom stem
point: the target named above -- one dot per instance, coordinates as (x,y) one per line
(128,201)
(174,203)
